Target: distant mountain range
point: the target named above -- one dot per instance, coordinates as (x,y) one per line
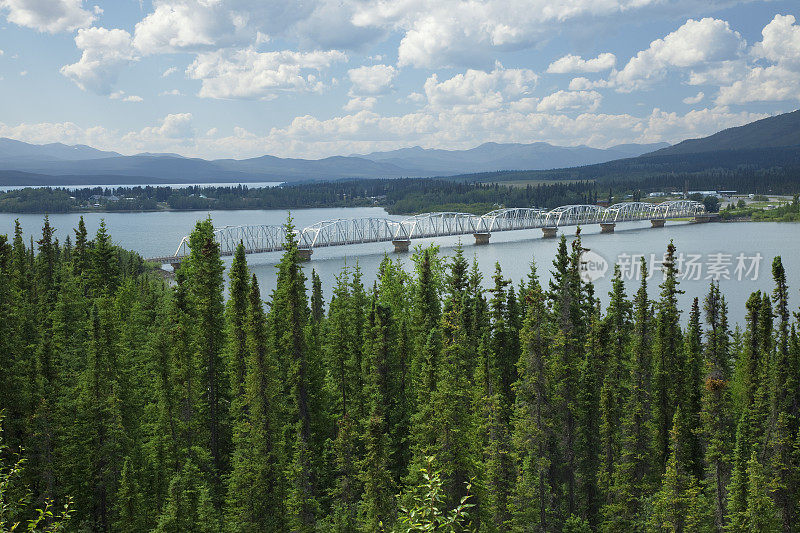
(773,141)
(54,164)
(780,131)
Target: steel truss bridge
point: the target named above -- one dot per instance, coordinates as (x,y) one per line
(341,232)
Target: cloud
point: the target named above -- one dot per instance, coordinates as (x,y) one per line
(120,95)
(570,100)
(477,90)
(447,33)
(364,131)
(204,25)
(173,92)
(780,41)
(696,99)
(572,63)
(51,16)
(779,81)
(584,84)
(175,131)
(762,84)
(372,80)
(695,43)
(169,72)
(105,54)
(249,74)
(358,103)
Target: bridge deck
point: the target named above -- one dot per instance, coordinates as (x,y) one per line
(341,232)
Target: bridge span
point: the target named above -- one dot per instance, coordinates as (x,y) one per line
(341,232)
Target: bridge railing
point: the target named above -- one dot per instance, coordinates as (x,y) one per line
(339,232)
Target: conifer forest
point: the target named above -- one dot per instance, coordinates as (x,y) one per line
(436,399)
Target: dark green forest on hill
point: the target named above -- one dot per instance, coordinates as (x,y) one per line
(422,403)
(403,196)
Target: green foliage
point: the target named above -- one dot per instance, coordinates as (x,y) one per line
(17,513)
(159,407)
(427,511)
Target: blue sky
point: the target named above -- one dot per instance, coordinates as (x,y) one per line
(241,78)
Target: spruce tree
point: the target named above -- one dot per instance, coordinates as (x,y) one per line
(190,507)
(717,407)
(633,474)
(615,382)
(690,396)
(532,499)
(204,278)
(236,315)
(785,381)
(301,373)
(680,504)
(256,481)
(377,505)
(668,360)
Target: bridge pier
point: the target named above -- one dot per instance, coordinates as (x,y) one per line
(481,238)
(175,266)
(702,219)
(657,222)
(607,227)
(401,245)
(304,254)
(548,232)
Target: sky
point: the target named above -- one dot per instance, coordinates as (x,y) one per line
(315,78)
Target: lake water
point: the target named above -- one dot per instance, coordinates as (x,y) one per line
(730,252)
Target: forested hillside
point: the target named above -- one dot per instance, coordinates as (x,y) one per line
(778,131)
(422,403)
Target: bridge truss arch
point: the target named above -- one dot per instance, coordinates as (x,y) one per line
(513,218)
(573,215)
(678,209)
(338,232)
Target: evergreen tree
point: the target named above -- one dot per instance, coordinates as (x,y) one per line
(690,396)
(668,360)
(717,407)
(130,515)
(256,481)
(761,514)
(204,279)
(680,504)
(588,413)
(104,262)
(377,505)
(236,314)
(300,371)
(616,381)
(532,498)
(633,474)
(190,507)
(785,407)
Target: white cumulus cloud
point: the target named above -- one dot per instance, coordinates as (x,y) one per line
(250,74)
(51,16)
(572,63)
(696,99)
(570,100)
(104,53)
(478,90)
(359,103)
(372,80)
(779,81)
(696,43)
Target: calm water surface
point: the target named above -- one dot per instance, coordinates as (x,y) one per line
(708,250)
